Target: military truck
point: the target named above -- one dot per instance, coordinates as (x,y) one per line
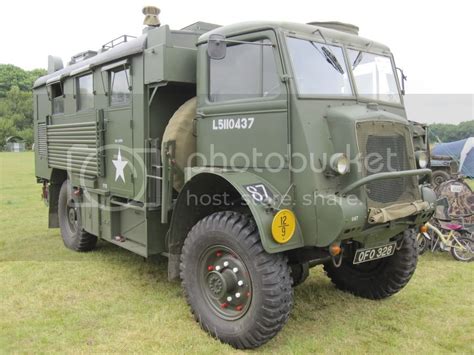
(443,168)
(242,153)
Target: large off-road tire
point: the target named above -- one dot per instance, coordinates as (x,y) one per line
(237,292)
(379,278)
(69,213)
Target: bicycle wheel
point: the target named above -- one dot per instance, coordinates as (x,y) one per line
(421,243)
(463,249)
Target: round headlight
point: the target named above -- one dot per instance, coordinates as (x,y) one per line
(339,163)
(421,159)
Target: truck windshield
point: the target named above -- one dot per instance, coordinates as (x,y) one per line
(374,76)
(319,69)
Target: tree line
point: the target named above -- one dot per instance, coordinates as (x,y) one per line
(16,109)
(446,132)
(16,102)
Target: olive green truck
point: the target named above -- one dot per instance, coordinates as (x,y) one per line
(245,154)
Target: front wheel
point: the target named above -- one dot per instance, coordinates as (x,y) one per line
(379,278)
(422,243)
(237,292)
(463,249)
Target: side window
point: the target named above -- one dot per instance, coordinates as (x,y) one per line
(57,97)
(247,71)
(120,93)
(85,92)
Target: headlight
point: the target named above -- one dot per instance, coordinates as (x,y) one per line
(421,159)
(339,163)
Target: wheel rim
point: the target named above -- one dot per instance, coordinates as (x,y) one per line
(438,180)
(465,252)
(421,243)
(225,282)
(72,216)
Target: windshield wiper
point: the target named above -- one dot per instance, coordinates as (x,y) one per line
(357,60)
(331,59)
(329,56)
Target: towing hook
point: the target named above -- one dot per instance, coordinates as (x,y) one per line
(337,260)
(336,252)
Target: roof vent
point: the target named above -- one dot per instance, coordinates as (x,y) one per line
(151,16)
(338,26)
(82,56)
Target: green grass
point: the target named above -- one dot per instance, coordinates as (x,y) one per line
(470,182)
(109,300)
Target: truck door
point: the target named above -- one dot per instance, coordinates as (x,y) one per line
(243,113)
(118,133)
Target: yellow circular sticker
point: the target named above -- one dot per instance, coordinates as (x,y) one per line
(283,226)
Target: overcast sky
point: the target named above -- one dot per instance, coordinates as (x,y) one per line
(431,40)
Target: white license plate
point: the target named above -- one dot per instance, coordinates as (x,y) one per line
(369,254)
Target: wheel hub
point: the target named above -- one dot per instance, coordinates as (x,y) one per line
(226,282)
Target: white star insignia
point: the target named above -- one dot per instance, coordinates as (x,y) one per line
(119,166)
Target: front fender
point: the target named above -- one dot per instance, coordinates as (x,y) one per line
(262,215)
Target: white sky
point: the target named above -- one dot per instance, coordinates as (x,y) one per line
(431,40)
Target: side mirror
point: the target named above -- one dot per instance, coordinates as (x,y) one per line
(403,78)
(216,47)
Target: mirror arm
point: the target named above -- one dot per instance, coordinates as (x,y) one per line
(404,78)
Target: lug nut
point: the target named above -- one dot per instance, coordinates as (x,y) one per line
(240,282)
(229,299)
(237,295)
(235,269)
(226,263)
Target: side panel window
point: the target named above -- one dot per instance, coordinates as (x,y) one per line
(120,93)
(57,96)
(85,92)
(247,71)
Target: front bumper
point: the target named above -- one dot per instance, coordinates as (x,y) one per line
(345,216)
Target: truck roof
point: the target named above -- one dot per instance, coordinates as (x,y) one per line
(139,44)
(297,28)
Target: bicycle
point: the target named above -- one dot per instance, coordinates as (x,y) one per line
(461,248)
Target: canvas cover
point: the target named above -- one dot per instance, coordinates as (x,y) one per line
(400,210)
(180,130)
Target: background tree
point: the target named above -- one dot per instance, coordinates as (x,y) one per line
(16,102)
(450,132)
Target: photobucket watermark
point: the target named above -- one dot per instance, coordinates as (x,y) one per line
(385,160)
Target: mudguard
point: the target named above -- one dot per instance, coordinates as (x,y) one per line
(250,186)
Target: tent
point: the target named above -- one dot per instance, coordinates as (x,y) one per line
(15,144)
(462,151)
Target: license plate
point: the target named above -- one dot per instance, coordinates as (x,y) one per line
(369,254)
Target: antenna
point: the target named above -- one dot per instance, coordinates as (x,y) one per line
(151,16)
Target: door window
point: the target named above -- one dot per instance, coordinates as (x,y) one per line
(247,71)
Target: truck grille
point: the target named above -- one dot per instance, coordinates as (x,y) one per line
(385,147)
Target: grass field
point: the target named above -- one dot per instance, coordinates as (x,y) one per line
(109,300)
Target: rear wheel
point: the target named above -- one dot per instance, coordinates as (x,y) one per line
(379,278)
(237,292)
(464,250)
(69,212)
